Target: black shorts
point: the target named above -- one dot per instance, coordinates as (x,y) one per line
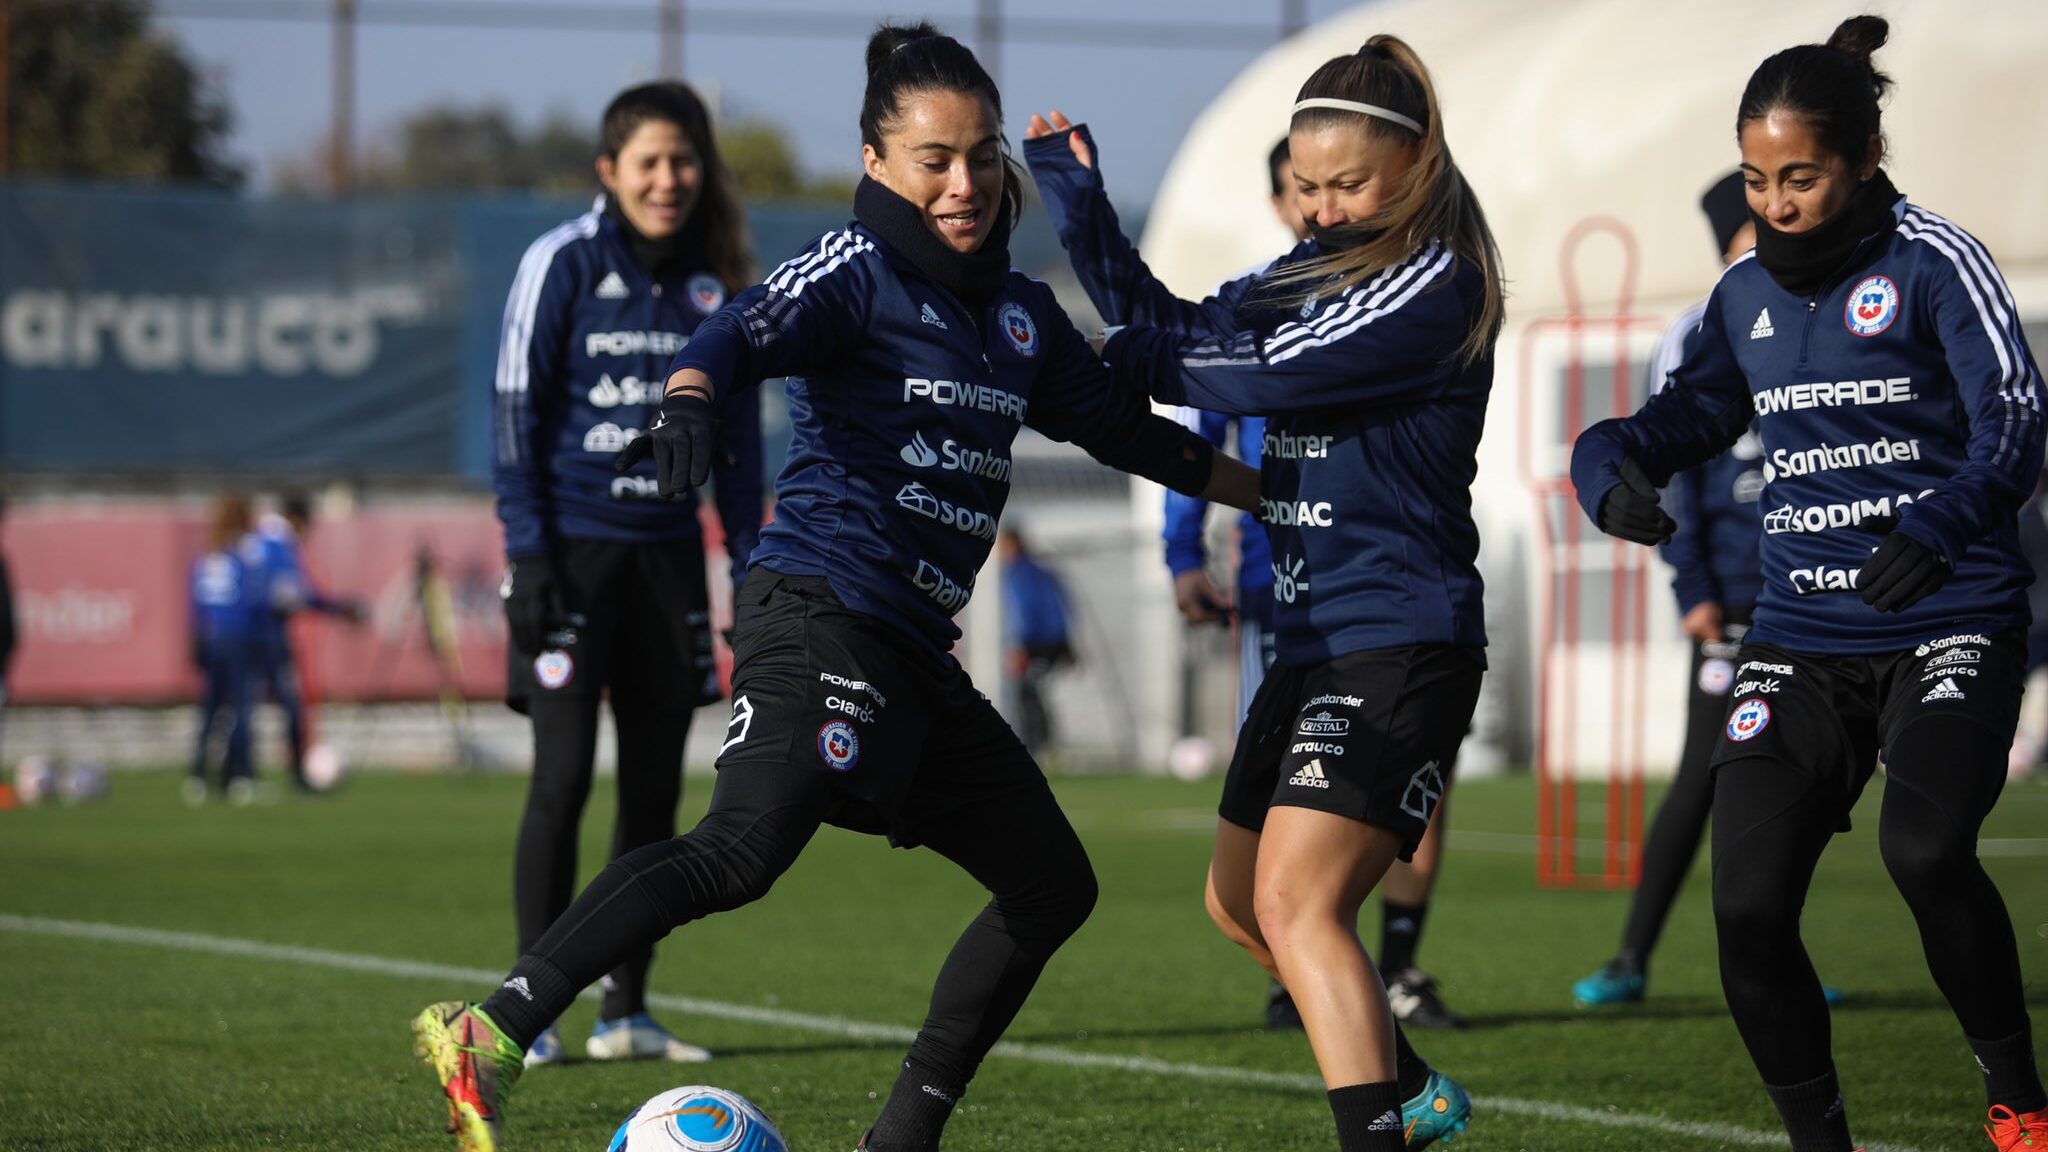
(645,629)
(1370,735)
(894,726)
(1831,718)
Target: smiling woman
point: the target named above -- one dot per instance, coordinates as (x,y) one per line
(1894,600)
(605,592)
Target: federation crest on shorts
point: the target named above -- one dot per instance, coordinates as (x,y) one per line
(1873,305)
(1017,328)
(706,293)
(1749,718)
(553,668)
(1717,676)
(839,745)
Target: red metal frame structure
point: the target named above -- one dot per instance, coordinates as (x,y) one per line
(1561,538)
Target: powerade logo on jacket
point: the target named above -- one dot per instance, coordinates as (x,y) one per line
(1841,394)
(966,394)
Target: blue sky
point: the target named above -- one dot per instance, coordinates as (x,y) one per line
(1139,100)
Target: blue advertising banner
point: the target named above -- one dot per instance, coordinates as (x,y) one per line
(151,332)
(146,332)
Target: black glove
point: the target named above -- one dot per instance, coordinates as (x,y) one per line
(1630,509)
(681,443)
(533,602)
(1901,574)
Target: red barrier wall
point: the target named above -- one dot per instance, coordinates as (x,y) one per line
(100,596)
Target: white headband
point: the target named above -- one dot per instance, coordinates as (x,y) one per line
(1355,106)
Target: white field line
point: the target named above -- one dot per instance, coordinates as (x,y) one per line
(1716,1134)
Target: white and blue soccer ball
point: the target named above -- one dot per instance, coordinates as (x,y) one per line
(698,1118)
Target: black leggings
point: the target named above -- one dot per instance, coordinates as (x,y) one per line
(1771,823)
(1022,850)
(650,784)
(1681,819)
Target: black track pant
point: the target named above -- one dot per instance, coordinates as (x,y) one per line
(1783,790)
(913,751)
(650,784)
(1681,819)
(639,638)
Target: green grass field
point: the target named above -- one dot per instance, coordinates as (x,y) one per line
(241,979)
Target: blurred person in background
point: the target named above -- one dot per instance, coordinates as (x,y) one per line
(902,333)
(1369,348)
(227,614)
(276,558)
(605,588)
(1876,346)
(1405,892)
(1717,571)
(1037,630)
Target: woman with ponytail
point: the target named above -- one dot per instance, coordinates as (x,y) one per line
(905,333)
(1877,348)
(1369,350)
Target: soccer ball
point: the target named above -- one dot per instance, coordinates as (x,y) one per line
(697,1119)
(324,767)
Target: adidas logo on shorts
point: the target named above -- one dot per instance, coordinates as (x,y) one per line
(1946,690)
(1310,776)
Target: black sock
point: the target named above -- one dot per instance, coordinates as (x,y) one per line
(529,1000)
(2010,1077)
(1814,1115)
(1368,1117)
(1400,932)
(1411,1072)
(918,1108)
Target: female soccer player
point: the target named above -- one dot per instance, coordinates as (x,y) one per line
(1369,349)
(1876,346)
(225,605)
(605,583)
(921,355)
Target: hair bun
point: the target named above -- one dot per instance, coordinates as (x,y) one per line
(889,37)
(1860,36)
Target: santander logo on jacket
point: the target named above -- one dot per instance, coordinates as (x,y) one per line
(1901,396)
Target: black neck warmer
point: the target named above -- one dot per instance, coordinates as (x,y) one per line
(976,277)
(657,257)
(1803,262)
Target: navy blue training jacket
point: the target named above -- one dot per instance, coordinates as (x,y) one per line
(899,459)
(581,362)
(1901,395)
(1186,551)
(1715,555)
(1372,422)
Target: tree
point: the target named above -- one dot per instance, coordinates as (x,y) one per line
(95,93)
(763,161)
(446,148)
